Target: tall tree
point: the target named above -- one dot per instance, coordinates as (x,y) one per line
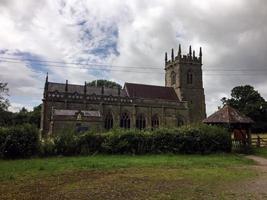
(249,101)
(4,103)
(105,83)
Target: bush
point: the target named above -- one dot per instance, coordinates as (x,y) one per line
(126,141)
(48,147)
(66,143)
(19,141)
(90,143)
(23,141)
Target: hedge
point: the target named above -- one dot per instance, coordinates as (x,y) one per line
(187,139)
(23,141)
(19,141)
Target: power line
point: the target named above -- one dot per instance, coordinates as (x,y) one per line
(123,66)
(144,72)
(81,64)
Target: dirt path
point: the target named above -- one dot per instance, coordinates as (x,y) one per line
(259,160)
(255,188)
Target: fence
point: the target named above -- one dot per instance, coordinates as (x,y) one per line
(259,141)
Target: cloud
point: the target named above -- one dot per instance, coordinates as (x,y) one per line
(134,34)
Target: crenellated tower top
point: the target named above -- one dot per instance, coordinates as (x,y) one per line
(183,72)
(189,58)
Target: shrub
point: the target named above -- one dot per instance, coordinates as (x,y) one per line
(187,139)
(19,141)
(90,143)
(66,143)
(126,141)
(48,147)
(23,141)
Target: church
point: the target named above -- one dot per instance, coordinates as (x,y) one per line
(83,107)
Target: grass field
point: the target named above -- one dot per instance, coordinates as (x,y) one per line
(260,151)
(124,177)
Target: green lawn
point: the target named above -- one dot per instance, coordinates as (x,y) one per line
(123,177)
(260,151)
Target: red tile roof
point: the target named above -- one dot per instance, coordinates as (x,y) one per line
(228,115)
(150,92)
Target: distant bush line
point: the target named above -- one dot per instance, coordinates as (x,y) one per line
(23,141)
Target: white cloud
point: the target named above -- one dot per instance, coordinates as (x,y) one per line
(232,34)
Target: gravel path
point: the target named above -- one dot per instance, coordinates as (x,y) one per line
(255,188)
(259,160)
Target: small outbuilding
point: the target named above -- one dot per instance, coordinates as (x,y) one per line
(237,123)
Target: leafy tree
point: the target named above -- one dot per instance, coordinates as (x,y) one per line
(249,101)
(24,116)
(105,83)
(4,103)
(35,116)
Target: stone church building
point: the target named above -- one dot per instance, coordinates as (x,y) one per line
(82,107)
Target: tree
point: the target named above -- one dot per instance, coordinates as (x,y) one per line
(249,101)
(4,103)
(35,116)
(31,117)
(105,83)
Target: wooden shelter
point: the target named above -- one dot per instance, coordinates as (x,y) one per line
(237,123)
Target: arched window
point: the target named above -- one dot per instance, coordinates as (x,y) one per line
(141,122)
(125,120)
(155,121)
(108,121)
(179,121)
(189,77)
(173,78)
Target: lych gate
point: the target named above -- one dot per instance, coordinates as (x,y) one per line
(237,123)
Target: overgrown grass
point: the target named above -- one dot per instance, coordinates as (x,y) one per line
(122,177)
(13,169)
(262,151)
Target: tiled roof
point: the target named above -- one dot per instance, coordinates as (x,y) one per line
(228,115)
(150,92)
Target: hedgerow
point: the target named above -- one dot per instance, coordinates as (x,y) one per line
(187,139)
(19,141)
(23,141)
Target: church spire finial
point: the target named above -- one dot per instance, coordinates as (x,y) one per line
(190,51)
(85,87)
(66,86)
(46,84)
(166,57)
(172,55)
(46,78)
(200,55)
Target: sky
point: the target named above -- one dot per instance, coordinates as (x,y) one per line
(125,41)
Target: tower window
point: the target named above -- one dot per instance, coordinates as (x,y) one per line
(189,77)
(155,121)
(108,121)
(141,122)
(173,78)
(125,120)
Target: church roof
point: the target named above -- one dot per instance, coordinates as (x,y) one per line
(132,90)
(228,115)
(150,91)
(60,87)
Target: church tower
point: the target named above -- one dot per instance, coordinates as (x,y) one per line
(184,74)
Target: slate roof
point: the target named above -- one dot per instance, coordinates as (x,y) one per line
(150,91)
(228,115)
(60,87)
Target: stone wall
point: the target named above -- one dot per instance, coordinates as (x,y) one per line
(167,111)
